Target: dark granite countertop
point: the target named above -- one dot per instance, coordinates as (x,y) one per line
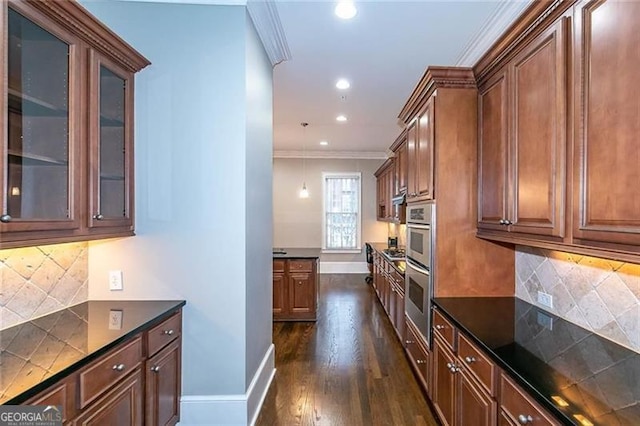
(36,354)
(549,356)
(296,253)
(399,265)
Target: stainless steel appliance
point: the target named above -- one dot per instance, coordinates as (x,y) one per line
(418,279)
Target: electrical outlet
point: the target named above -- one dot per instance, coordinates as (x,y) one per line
(115,280)
(545,320)
(115,319)
(545,299)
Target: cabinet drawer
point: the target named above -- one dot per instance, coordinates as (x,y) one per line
(519,407)
(444,329)
(479,365)
(278,266)
(163,333)
(300,265)
(418,353)
(108,370)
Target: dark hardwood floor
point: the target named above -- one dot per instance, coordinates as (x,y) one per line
(346,369)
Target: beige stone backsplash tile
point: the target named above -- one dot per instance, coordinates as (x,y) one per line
(600,295)
(36,281)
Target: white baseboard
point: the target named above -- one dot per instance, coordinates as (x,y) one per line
(344,268)
(230,410)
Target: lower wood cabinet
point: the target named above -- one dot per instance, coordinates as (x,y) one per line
(135,383)
(122,405)
(163,386)
(295,289)
(419,355)
(468,388)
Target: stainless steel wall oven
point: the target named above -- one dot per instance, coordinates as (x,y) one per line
(418,282)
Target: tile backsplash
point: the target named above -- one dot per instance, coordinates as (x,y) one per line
(600,295)
(35,281)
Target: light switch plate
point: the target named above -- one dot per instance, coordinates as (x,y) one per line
(115,280)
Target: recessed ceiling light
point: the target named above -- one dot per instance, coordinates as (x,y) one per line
(345,10)
(343,84)
(341,118)
(324,143)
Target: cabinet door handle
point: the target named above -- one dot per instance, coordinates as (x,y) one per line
(118,367)
(409,342)
(98,216)
(439,327)
(502,222)
(168,332)
(5,218)
(421,361)
(470,359)
(523,420)
(508,222)
(155,368)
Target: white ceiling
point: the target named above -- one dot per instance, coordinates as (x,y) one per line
(383,51)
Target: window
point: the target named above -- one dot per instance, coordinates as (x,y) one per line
(341,212)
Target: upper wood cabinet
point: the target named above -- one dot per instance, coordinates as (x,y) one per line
(66,170)
(558,150)
(607,124)
(385,184)
(420,166)
(522,140)
(399,148)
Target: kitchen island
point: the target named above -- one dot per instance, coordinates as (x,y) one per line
(116,359)
(295,283)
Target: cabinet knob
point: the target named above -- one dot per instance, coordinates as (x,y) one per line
(508,222)
(118,367)
(421,361)
(449,365)
(5,218)
(502,221)
(168,332)
(155,368)
(409,342)
(98,216)
(470,359)
(439,327)
(523,420)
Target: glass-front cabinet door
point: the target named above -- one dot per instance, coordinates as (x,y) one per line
(39,171)
(111,129)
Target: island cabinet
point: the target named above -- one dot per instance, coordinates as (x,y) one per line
(295,289)
(66,170)
(522,140)
(135,383)
(558,152)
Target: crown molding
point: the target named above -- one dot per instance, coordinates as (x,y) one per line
(360,155)
(266,19)
(502,17)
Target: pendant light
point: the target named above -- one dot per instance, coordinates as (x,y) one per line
(304,193)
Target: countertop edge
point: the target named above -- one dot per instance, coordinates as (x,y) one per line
(46,383)
(541,399)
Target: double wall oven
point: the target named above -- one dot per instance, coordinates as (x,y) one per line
(418,275)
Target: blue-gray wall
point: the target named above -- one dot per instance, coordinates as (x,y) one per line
(203,193)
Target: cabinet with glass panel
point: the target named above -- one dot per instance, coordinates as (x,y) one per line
(66,170)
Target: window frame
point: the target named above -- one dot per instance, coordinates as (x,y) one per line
(344,175)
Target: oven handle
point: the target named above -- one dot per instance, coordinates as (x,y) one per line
(417,268)
(415,225)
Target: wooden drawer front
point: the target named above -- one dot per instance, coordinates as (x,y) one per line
(520,407)
(278,266)
(418,354)
(109,369)
(479,365)
(444,329)
(62,394)
(300,266)
(163,333)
